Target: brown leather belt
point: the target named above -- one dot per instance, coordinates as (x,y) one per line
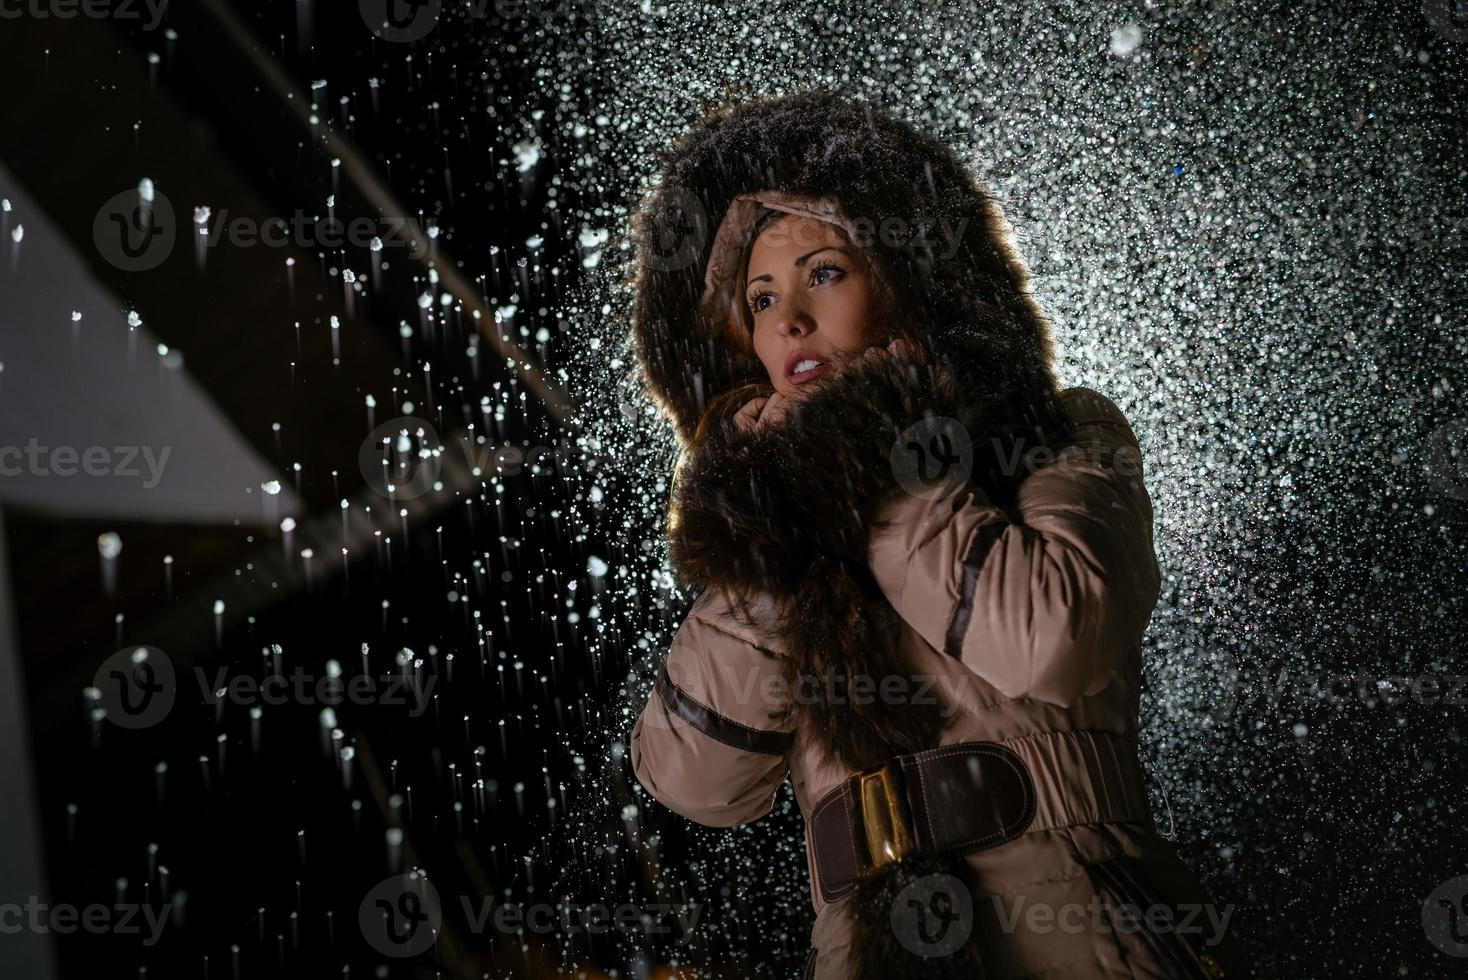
(968,797)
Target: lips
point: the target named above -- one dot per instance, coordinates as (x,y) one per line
(801,366)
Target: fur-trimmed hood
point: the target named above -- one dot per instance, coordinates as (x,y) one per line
(943,240)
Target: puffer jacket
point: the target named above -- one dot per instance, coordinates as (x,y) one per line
(1030,626)
(1017,597)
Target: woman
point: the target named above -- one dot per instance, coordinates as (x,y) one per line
(923,571)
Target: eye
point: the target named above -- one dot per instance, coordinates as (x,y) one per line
(754,301)
(827,267)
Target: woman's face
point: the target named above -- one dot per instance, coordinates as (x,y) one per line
(811,297)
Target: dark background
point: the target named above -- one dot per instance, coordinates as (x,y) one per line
(1332,355)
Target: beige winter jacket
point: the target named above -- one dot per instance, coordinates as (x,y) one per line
(1042,612)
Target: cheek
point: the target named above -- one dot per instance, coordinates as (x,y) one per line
(850,320)
(767,352)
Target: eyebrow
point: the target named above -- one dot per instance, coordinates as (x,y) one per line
(798,262)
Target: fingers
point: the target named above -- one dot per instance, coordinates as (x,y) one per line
(774,410)
(899,348)
(761,411)
(904,348)
(747,418)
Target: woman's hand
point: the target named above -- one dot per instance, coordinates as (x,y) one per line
(897,347)
(758,413)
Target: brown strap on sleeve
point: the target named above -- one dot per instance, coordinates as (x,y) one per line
(717,726)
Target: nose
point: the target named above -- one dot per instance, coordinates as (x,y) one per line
(795,320)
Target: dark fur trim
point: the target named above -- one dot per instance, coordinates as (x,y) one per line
(962,280)
(788,511)
(875,954)
(750,511)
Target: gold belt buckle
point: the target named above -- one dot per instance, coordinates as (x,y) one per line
(888,838)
